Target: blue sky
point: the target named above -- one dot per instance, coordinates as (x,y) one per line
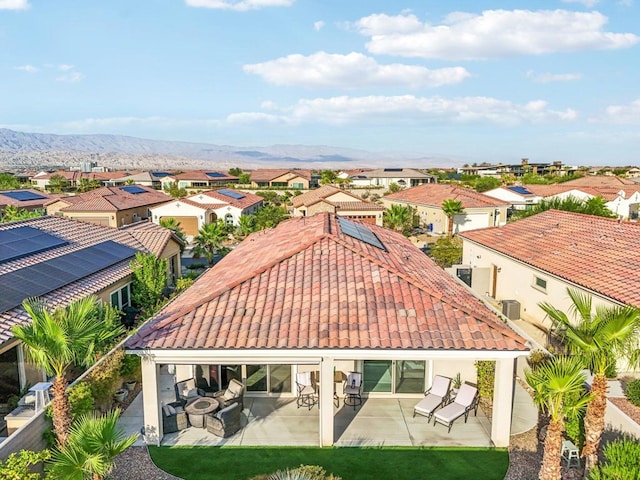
(469,81)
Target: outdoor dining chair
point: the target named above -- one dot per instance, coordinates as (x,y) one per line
(435,397)
(353,389)
(307,395)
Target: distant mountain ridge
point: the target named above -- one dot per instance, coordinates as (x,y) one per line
(17,148)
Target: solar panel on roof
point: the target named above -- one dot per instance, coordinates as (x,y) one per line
(23,195)
(133,189)
(393,169)
(360,232)
(160,174)
(230,193)
(24,241)
(520,190)
(215,174)
(47,276)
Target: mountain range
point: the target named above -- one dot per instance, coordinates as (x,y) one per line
(40,150)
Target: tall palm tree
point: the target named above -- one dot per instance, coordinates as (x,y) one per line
(56,340)
(598,338)
(174,225)
(209,240)
(93,444)
(398,217)
(553,383)
(451,208)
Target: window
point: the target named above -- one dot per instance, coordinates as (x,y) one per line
(540,284)
(297,185)
(228,220)
(121,298)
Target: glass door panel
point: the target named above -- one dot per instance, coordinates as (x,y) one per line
(279,378)
(256,378)
(410,376)
(377,376)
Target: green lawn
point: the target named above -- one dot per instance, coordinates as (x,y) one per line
(241,463)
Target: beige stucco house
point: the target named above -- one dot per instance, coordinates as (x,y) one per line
(340,202)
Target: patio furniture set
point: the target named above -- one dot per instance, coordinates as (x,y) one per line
(453,407)
(308,389)
(219,412)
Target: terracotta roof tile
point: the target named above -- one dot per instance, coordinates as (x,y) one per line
(268,174)
(112,199)
(306,284)
(325,192)
(597,253)
(435,193)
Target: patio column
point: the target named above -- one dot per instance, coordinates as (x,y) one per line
(502,402)
(151,401)
(326,402)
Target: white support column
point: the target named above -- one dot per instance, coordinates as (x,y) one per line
(502,402)
(151,401)
(326,402)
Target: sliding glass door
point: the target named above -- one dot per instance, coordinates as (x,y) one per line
(393,376)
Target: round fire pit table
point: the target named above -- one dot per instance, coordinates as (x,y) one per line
(198,408)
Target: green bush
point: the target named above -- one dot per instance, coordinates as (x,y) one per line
(130,366)
(80,399)
(622,461)
(574,426)
(486,370)
(183,283)
(633,392)
(104,379)
(303,472)
(191,275)
(18,466)
(197,266)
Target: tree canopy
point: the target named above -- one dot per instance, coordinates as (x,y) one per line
(591,206)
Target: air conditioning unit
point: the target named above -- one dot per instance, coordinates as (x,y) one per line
(511,309)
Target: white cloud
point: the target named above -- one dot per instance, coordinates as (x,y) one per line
(586,3)
(492,34)
(624,113)
(626,3)
(353,70)
(72,77)
(547,77)
(317,26)
(14,5)
(238,5)
(64,68)
(27,68)
(406,108)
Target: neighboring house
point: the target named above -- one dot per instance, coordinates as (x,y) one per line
(146,179)
(62,260)
(518,169)
(328,294)
(335,200)
(111,206)
(296,179)
(480,211)
(27,199)
(385,177)
(197,210)
(535,259)
(598,181)
(633,172)
(41,180)
(520,197)
(199,179)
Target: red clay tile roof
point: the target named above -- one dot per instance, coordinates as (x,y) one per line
(306,284)
(597,253)
(435,193)
(113,199)
(144,237)
(268,174)
(314,196)
(365,206)
(248,199)
(598,181)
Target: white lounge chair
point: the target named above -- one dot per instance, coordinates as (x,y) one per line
(435,397)
(465,401)
(307,395)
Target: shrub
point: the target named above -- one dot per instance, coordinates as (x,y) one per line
(303,472)
(104,378)
(18,465)
(130,366)
(537,358)
(574,426)
(197,266)
(486,370)
(80,399)
(182,284)
(633,392)
(622,461)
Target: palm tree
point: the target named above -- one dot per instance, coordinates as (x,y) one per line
(553,383)
(174,225)
(451,208)
(209,240)
(56,340)
(246,225)
(598,339)
(398,217)
(93,444)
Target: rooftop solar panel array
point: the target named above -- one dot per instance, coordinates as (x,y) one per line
(24,241)
(215,174)
(47,276)
(160,174)
(520,190)
(393,169)
(360,232)
(23,195)
(133,189)
(230,193)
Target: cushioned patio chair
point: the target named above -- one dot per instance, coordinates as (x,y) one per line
(225,422)
(353,389)
(465,401)
(234,393)
(435,397)
(307,395)
(174,418)
(187,390)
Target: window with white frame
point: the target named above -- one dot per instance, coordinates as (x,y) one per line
(122,297)
(540,284)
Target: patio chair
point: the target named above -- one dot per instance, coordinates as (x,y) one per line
(465,401)
(187,389)
(307,395)
(353,389)
(234,393)
(435,397)
(225,422)
(174,418)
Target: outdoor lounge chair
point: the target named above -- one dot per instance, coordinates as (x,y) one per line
(225,422)
(307,395)
(465,401)
(234,393)
(174,418)
(353,389)
(435,397)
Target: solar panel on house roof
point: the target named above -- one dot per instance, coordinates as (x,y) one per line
(160,174)
(23,195)
(47,276)
(215,174)
(230,193)
(520,190)
(392,169)
(133,189)
(360,232)
(24,241)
